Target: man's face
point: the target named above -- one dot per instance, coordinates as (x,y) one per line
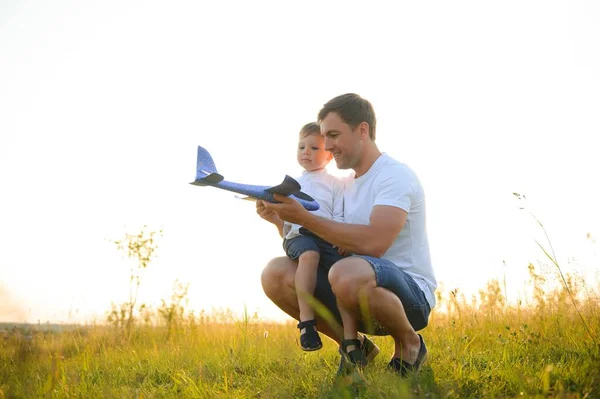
(343,142)
(311,152)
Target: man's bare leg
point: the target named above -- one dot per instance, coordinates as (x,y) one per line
(352,278)
(278,281)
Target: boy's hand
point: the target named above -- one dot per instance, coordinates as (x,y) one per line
(267,214)
(343,252)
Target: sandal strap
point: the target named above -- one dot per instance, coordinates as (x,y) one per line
(307,323)
(349,342)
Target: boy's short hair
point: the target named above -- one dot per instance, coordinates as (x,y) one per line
(353,110)
(310,129)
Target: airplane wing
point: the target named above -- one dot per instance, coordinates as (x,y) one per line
(287,187)
(246,198)
(303,196)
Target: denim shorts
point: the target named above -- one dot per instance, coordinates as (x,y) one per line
(309,241)
(389,276)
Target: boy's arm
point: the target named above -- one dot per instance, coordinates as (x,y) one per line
(279,226)
(270,217)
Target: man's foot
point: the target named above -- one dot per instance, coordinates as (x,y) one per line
(309,339)
(403,368)
(368,352)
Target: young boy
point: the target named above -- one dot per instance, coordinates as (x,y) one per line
(300,243)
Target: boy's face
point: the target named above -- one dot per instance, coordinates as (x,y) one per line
(312,154)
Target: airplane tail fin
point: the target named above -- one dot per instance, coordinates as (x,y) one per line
(206,171)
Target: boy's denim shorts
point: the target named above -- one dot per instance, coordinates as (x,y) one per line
(309,241)
(388,276)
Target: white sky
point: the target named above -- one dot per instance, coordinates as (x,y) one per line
(102,105)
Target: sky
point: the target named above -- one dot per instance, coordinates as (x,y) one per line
(103,105)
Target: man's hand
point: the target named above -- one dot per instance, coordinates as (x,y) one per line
(267,214)
(288,209)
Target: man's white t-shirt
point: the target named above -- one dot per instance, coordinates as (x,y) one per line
(327,190)
(389,182)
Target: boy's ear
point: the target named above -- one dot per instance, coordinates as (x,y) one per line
(330,157)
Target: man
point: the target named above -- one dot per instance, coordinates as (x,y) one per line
(389,270)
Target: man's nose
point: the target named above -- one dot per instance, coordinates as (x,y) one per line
(328,144)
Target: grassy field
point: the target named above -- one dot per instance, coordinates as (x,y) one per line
(477,349)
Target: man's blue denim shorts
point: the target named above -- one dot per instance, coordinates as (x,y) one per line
(388,276)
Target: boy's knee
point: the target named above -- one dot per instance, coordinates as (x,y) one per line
(310,257)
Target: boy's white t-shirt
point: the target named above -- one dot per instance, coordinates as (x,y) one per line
(327,190)
(389,182)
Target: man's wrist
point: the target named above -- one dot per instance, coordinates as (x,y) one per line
(310,222)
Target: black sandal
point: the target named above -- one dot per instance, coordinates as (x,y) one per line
(356,355)
(310,340)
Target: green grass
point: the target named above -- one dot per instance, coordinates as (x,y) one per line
(478,350)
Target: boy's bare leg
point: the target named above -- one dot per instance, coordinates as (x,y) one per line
(305,282)
(350,324)
(278,281)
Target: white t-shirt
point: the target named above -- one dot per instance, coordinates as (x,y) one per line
(389,182)
(327,190)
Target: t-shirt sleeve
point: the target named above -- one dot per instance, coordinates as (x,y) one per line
(395,188)
(338,200)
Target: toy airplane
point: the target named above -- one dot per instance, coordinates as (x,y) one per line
(206,175)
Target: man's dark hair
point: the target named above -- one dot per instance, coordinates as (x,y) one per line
(310,129)
(353,110)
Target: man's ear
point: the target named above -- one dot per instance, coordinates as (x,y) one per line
(363,129)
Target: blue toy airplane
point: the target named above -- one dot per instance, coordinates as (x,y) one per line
(206,175)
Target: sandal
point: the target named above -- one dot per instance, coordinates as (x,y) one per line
(310,340)
(356,356)
(369,350)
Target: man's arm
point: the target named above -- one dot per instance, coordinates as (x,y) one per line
(373,239)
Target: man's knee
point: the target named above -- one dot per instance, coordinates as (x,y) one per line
(351,278)
(275,275)
(270,275)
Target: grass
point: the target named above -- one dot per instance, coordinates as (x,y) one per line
(483,348)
